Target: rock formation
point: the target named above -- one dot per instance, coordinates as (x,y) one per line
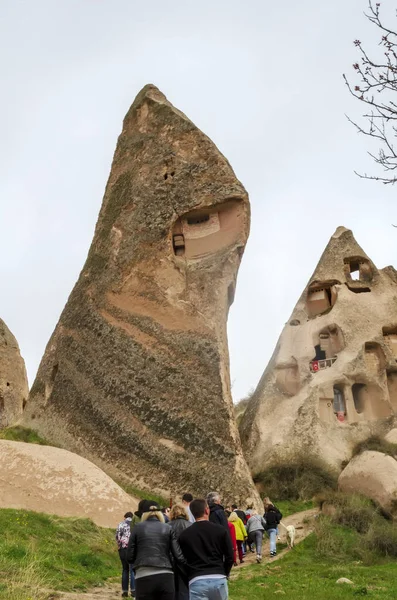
(13,380)
(332,380)
(136,375)
(58,482)
(372,474)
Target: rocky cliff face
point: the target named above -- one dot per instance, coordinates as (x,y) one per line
(136,374)
(13,380)
(332,380)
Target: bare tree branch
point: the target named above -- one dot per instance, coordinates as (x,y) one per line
(377,88)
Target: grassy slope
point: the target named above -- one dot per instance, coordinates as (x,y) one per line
(42,551)
(304,573)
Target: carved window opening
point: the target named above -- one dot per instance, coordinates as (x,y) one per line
(329,343)
(359,274)
(359,391)
(339,404)
(197,219)
(321,297)
(205,231)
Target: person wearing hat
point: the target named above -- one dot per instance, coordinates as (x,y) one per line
(151,545)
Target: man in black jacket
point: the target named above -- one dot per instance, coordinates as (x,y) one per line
(217,512)
(208,550)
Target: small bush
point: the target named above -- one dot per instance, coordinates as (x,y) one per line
(23,434)
(382,538)
(351,510)
(298,479)
(376,444)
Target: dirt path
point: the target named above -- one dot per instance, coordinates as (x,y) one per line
(302,521)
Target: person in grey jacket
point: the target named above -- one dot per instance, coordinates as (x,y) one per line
(255,527)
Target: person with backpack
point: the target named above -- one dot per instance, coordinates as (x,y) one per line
(272,517)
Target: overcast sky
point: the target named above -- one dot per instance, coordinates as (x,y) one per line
(262,79)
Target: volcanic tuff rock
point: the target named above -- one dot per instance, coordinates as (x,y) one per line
(372,474)
(332,380)
(13,380)
(58,482)
(136,374)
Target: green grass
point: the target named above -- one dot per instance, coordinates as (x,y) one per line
(290,507)
(40,551)
(22,434)
(306,574)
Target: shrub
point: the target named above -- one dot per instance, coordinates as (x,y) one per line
(23,434)
(298,479)
(376,444)
(350,510)
(382,537)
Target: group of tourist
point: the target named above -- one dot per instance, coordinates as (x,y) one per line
(186,552)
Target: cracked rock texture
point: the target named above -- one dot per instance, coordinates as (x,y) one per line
(136,374)
(13,380)
(332,379)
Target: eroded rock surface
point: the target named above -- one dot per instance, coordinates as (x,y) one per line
(332,380)
(136,374)
(58,482)
(13,380)
(374,475)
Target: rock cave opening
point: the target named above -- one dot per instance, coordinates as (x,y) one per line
(370,401)
(358,273)
(359,394)
(321,297)
(205,231)
(392,388)
(339,404)
(374,358)
(329,343)
(390,338)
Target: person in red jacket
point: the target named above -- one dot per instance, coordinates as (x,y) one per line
(232,531)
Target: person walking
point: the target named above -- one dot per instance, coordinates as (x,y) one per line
(256,526)
(241,533)
(150,547)
(217,512)
(123,533)
(186,500)
(240,513)
(232,532)
(272,517)
(179,521)
(208,551)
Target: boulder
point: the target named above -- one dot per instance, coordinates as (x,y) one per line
(13,380)
(55,481)
(136,374)
(332,379)
(374,475)
(392,436)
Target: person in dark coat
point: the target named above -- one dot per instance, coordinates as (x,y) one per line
(217,512)
(151,549)
(272,517)
(179,521)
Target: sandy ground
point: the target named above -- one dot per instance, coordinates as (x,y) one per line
(302,521)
